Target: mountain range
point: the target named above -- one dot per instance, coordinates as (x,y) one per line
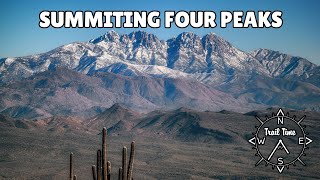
(145,73)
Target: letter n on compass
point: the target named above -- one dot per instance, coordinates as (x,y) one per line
(280,115)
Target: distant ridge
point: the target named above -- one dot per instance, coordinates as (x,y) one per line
(144,73)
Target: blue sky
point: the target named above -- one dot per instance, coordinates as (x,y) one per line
(20,34)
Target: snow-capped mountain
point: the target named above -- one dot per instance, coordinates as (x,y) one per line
(137,47)
(255,79)
(209,59)
(283,65)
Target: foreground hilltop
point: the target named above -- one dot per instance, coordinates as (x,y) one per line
(175,144)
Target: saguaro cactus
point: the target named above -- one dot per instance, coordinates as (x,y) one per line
(102,171)
(109,170)
(94,172)
(131,160)
(124,164)
(120,174)
(99,163)
(104,154)
(71,167)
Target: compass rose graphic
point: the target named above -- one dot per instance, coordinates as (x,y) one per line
(280,140)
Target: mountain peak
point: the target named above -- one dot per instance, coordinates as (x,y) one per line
(214,39)
(110,36)
(138,32)
(283,65)
(116,107)
(142,38)
(112,33)
(212,33)
(111,116)
(269,54)
(142,35)
(264,51)
(187,36)
(186,40)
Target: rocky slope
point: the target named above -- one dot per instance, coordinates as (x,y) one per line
(64,92)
